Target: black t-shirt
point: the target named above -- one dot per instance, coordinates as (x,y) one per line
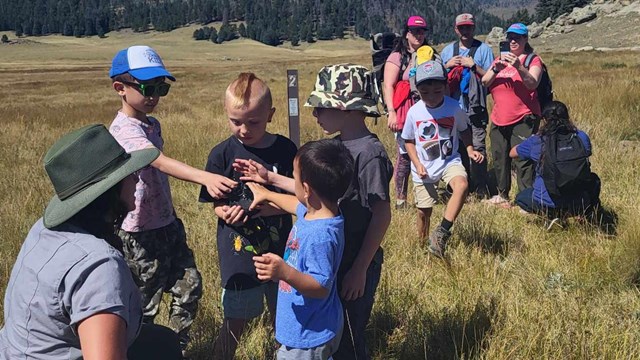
(373,172)
(237,245)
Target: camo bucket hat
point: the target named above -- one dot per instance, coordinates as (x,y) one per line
(344,87)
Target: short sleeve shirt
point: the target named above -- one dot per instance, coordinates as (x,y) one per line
(512,100)
(314,247)
(395,58)
(435,132)
(483,58)
(154,206)
(370,184)
(60,278)
(238,244)
(531,149)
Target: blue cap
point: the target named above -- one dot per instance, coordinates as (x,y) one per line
(518,28)
(142,62)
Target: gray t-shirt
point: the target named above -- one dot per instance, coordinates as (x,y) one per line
(59,279)
(370,184)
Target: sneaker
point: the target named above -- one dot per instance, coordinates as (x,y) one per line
(438,241)
(498,200)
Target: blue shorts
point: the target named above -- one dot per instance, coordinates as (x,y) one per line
(249,303)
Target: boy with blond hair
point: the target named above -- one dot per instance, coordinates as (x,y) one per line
(154,239)
(342,99)
(431,134)
(242,233)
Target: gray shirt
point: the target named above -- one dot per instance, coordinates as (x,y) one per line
(59,279)
(370,183)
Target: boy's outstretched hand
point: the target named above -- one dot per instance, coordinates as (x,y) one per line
(270,267)
(251,170)
(217,185)
(260,194)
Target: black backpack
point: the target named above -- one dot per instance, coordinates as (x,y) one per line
(545,87)
(381,47)
(565,164)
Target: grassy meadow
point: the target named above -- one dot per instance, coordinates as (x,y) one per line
(510,290)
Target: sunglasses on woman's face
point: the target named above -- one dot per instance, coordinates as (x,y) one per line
(418,31)
(160,89)
(515,38)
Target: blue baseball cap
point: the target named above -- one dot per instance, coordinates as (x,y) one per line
(142,62)
(518,28)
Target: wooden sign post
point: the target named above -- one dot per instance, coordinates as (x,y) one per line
(294,108)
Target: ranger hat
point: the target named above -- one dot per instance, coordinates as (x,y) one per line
(83,165)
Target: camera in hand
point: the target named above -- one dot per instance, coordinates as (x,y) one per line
(242,196)
(504,48)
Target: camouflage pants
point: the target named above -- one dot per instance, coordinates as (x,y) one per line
(161,261)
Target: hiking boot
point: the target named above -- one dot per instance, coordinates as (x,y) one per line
(438,241)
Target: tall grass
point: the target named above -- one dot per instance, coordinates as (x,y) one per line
(510,290)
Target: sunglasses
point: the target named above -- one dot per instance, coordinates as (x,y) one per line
(515,37)
(161,89)
(418,31)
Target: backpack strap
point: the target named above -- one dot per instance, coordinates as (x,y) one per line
(528,60)
(456,48)
(474,47)
(404,63)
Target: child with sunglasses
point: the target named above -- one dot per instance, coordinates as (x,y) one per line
(153,237)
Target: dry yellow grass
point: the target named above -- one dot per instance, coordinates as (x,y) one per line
(510,291)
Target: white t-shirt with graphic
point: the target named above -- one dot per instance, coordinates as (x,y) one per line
(435,132)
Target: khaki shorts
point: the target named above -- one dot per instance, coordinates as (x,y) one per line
(426,194)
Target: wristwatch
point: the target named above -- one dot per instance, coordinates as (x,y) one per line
(474,68)
(495,69)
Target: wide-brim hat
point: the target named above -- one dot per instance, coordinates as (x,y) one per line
(84,164)
(344,87)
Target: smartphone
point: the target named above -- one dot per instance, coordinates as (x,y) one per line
(504,48)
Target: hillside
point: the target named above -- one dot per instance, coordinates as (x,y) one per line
(269,22)
(611,28)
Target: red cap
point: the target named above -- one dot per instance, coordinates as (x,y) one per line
(416,22)
(465,19)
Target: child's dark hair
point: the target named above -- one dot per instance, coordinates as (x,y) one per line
(556,116)
(432,82)
(327,166)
